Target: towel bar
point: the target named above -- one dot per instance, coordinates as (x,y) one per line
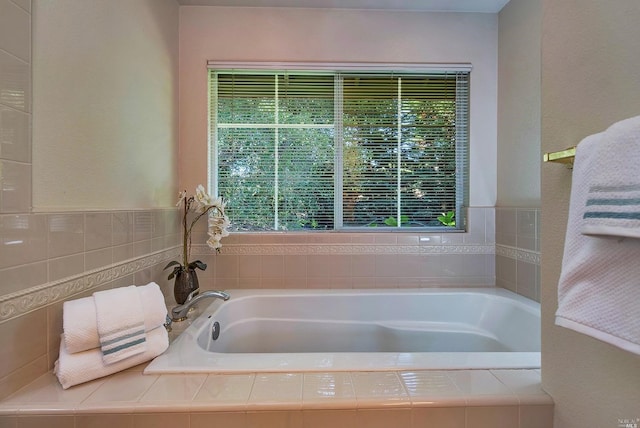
(564,156)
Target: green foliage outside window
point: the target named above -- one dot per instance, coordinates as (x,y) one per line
(278,137)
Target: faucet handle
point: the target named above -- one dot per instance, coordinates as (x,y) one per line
(167,323)
(192,294)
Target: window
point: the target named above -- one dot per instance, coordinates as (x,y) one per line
(331,150)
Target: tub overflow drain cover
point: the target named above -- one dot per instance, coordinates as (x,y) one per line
(215,330)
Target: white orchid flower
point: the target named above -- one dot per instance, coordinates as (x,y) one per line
(219,203)
(181,197)
(214,243)
(202,199)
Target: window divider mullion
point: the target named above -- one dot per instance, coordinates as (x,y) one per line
(399,155)
(339,153)
(276,136)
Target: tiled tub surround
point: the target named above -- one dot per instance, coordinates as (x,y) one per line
(404,399)
(518,250)
(48,258)
(479,398)
(398,399)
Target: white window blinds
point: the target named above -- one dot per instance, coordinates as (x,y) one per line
(325,151)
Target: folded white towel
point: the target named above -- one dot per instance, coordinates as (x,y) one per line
(73,369)
(613,201)
(80,324)
(120,321)
(599,286)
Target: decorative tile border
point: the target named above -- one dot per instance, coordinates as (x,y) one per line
(16,304)
(347,249)
(528,256)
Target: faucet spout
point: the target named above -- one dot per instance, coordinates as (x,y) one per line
(179,313)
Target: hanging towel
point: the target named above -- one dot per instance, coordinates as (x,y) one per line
(613,199)
(73,369)
(599,286)
(120,322)
(80,324)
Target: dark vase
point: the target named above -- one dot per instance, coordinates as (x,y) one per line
(186,282)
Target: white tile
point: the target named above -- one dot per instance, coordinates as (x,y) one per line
(19,344)
(118,392)
(490,226)
(15,30)
(329,418)
(328,390)
(536,416)
(432,388)
(21,277)
(526,222)
(47,390)
(142,225)
(15,140)
(475,226)
(526,384)
(383,418)
(225,392)
(63,267)
(445,417)
(172,391)
(276,391)
(122,252)
(98,230)
(160,223)
(481,387)
(473,265)
(278,419)
(374,389)
(162,420)
(15,187)
(23,239)
(122,228)
(66,234)
(15,82)
(492,417)
(218,419)
(98,258)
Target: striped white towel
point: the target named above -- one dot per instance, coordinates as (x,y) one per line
(80,325)
(613,199)
(120,321)
(599,287)
(84,366)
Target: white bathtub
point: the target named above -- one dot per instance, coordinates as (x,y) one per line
(359,330)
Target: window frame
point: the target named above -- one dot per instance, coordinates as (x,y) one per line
(462,154)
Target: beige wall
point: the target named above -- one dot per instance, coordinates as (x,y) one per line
(104,137)
(519,104)
(590,80)
(518,154)
(330,35)
(105,110)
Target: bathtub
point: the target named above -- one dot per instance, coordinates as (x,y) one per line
(358,330)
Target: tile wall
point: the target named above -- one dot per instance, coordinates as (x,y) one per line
(15,105)
(406,399)
(47,258)
(353,260)
(518,250)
